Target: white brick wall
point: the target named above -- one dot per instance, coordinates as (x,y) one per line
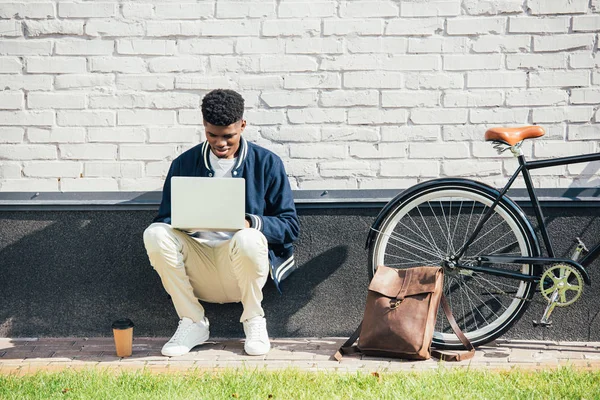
(102,95)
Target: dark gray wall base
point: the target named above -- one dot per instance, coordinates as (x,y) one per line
(70,273)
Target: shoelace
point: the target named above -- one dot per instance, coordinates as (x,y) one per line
(180,332)
(255,331)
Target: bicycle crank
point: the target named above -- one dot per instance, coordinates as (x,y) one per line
(561,285)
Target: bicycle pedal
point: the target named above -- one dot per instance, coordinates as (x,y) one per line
(542,324)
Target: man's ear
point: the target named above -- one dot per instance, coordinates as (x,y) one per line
(242,125)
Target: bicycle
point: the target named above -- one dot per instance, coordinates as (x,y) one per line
(487,247)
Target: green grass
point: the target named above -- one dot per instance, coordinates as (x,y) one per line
(563,383)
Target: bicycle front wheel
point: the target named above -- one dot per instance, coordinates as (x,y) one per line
(428,224)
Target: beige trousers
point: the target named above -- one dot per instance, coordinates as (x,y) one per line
(226,271)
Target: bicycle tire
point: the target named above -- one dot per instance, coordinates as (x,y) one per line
(421,219)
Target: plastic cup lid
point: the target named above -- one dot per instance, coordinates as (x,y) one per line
(124,323)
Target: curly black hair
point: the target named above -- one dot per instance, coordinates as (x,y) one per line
(222,107)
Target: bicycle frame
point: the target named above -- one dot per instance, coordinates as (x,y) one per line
(525,167)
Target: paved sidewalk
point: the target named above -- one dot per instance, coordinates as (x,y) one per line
(28,355)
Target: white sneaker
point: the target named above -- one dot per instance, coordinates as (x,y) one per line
(188,335)
(257,339)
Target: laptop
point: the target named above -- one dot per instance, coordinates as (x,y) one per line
(208,204)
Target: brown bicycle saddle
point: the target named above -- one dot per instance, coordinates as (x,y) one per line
(512,136)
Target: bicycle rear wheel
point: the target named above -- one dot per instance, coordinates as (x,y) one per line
(429,223)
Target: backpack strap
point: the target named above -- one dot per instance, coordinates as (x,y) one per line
(347,347)
(454,356)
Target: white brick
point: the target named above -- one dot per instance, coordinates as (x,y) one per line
(377,151)
(438,45)
(327,184)
(288,63)
(173,28)
(367,116)
(291,27)
(543,97)
(291,134)
(444,8)
(101,169)
(486,98)
(117,135)
(584,132)
(492,7)
(559,114)
(260,82)
(290,98)
(173,100)
(56,100)
(127,100)
(117,64)
(145,117)
(455,62)
(347,26)
(475,26)
(595,6)
(88,151)
(537,7)
(147,152)
(26,47)
(563,42)
(496,79)
(56,65)
(234,27)
(501,44)
(11,100)
(86,10)
(301,168)
(374,79)
(192,117)
(499,115)
(312,9)
(31,118)
(560,149)
(314,46)
(53,169)
(463,133)
(381,183)
(141,185)
(596,77)
(184,11)
(10,171)
(366,9)
(584,60)
(349,62)
(147,47)
(412,133)
(346,168)
(157,169)
(237,64)
(414,26)
(89,185)
(538,25)
(85,118)
(137,11)
(435,81)
(29,9)
(11,29)
(411,63)
(265,117)
(585,96)
(9,65)
(438,150)
(559,78)
(587,23)
(29,185)
(245,9)
(327,151)
(84,47)
(316,115)
(11,135)
(438,116)
(201,82)
(114,28)
(27,152)
(348,98)
(145,82)
(349,134)
(56,135)
(76,81)
(173,135)
(410,98)
(370,44)
(410,168)
(471,168)
(536,61)
(254,45)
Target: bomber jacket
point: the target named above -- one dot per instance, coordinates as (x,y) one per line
(269,201)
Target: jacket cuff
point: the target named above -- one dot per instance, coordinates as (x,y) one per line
(255,221)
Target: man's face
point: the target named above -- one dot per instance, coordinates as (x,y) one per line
(224,141)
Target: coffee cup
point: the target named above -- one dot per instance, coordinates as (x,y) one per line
(123,335)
